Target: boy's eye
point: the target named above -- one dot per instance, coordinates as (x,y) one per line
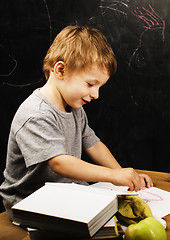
(90,84)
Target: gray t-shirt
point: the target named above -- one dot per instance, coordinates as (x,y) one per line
(40,131)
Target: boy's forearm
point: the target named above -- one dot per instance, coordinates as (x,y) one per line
(101,155)
(77,169)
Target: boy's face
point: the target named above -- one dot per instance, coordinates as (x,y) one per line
(82,87)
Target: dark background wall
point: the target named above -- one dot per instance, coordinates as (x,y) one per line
(132,116)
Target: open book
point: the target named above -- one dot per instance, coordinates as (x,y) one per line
(65,207)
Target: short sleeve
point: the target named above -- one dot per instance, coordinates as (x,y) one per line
(89,137)
(40,139)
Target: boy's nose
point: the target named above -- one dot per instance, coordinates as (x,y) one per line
(95,93)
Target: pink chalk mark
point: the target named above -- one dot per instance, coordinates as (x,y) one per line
(151,18)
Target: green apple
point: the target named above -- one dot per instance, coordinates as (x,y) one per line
(147,229)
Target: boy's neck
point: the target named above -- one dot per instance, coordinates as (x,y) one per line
(53,95)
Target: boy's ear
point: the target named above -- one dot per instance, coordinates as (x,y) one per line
(59,69)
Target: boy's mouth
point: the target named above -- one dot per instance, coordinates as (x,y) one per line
(84,101)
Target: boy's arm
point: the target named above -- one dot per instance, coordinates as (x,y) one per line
(77,169)
(101,155)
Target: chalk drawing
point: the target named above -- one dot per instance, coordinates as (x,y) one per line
(148,20)
(9,55)
(49,20)
(2,49)
(152,22)
(116,6)
(151,19)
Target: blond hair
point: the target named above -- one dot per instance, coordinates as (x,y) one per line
(79,47)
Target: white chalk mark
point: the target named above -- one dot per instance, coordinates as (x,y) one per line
(114,6)
(49,19)
(114,9)
(134,53)
(15,66)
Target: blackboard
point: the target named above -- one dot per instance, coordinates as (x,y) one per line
(132,115)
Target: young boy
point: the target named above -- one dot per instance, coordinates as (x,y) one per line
(50,129)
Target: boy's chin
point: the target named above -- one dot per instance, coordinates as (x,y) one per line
(69,107)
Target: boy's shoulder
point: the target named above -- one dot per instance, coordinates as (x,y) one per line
(33,107)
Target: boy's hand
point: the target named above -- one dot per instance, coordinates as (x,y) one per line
(146,181)
(129,177)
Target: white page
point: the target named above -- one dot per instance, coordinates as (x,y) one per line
(156,198)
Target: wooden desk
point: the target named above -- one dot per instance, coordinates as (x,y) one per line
(161,180)
(9,231)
